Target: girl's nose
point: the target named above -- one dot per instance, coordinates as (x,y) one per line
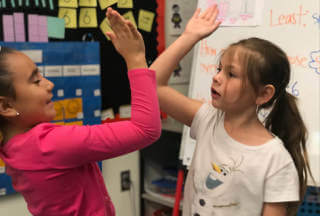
(50,84)
(216,78)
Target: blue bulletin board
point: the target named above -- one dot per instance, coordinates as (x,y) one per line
(74,68)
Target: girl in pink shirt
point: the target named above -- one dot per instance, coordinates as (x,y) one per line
(53,166)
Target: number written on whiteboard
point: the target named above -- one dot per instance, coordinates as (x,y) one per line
(315,61)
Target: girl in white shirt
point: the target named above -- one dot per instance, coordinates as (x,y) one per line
(241,166)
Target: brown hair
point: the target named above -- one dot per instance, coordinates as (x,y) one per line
(265,63)
(6,86)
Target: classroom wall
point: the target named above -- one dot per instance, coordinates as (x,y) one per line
(123,200)
(14,205)
(180,84)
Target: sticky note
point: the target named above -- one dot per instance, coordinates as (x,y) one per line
(33,24)
(56,27)
(59,123)
(125,4)
(2,166)
(35,55)
(88,3)
(36,2)
(72,107)
(88,18)
(145,20)
(8,30)
(4,5)
(2,163)
(68,3)
(129,16)
(43,28)
(58,106)
(105,27)
(70,17)
(106,3)
(125,111)
(19,30)
(74,123)
(107,114)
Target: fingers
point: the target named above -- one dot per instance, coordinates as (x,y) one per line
(121,27)
(196,13)
(209,13)
(214,14)
(117,23)
(136,34)
(111,35)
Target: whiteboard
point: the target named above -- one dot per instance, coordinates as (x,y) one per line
(294,25)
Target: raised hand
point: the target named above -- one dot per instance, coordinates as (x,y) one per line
(127,40)
(202,25)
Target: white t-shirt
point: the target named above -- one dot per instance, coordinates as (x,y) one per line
(228,178)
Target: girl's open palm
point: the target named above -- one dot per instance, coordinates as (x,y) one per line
(202,25)
(125,37)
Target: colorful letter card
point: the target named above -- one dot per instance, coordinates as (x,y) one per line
(56,27)
(88,18)
(145,20)
(106,3)
(105,27)
(129,16)
(68,3)
(70,17)
(88,3)
(125,4)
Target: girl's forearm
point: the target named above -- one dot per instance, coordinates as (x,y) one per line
(145,112)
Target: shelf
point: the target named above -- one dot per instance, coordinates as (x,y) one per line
(157,198)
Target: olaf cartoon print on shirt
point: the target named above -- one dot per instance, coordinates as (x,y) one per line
(215,188)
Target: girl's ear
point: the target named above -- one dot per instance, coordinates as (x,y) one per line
(6,110)
(265,94)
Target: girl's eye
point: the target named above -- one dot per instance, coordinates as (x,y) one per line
(231,74)
(219,69)
(37,81)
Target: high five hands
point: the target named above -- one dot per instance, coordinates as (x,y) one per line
(127,40)
(204,24)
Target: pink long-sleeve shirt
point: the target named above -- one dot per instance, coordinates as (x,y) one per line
(54,167)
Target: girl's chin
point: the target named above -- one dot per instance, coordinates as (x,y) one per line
(215,104)
(52,116)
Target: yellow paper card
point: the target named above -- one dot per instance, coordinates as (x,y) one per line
(74,123)
(88,18)
(69,16)
(68,3)
(58,106)
(106,3)
(2,163)
(129,16)
(59,123)
(72,108)
(88,3)
(145,20)
(105,27)
(125,4)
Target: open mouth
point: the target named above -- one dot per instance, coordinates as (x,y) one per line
(214,92)
(49,101)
